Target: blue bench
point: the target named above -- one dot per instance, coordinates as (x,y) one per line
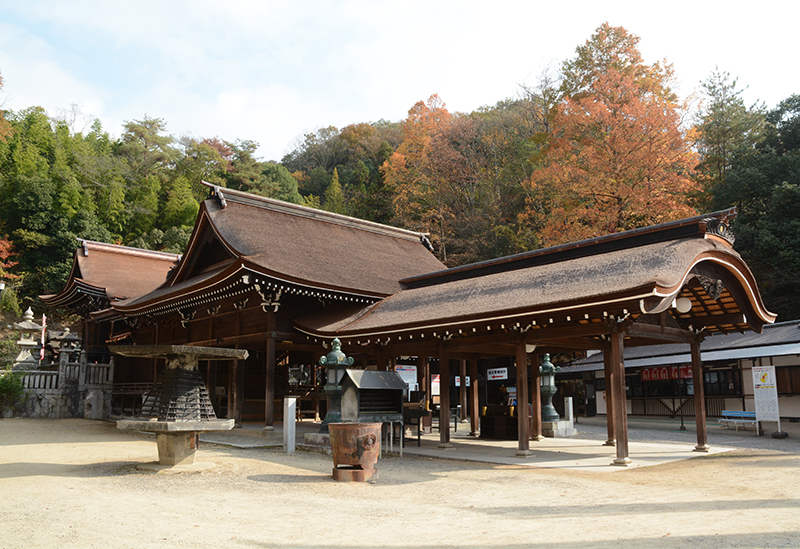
(734,418)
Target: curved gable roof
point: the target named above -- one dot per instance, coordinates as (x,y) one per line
(308,246)
(112,272)
(640,278)
(292,244)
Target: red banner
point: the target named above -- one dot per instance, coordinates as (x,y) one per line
(665,373)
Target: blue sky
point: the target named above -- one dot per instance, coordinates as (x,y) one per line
(271,71)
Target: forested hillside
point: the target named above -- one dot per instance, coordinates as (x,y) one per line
(600,144)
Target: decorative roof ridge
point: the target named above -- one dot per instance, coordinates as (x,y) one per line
(225,195)
(712,224)
(89,245)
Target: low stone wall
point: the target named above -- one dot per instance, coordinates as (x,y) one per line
(58,403)
(76,390)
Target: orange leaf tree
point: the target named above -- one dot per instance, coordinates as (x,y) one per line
(617,157)
(5,127)
(410,175)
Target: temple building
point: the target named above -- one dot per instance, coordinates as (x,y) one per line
(283,281)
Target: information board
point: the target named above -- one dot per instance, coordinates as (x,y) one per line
(493,374)
(765,393)
(435,385)
(408,372)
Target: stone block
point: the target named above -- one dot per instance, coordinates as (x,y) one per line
(176,448)
(93,405)
(558,429)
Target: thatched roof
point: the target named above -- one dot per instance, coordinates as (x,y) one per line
(643,272)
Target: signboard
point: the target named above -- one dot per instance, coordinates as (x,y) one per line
(765,393)
(494,374)
(435,385)
(458,381)
(407,372)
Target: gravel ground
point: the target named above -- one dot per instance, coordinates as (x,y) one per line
(74,483)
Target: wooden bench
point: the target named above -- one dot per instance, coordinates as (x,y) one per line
(734,418)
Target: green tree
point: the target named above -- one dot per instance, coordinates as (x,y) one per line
(725,128)
(150,156)
(244,172)
(334,198)
(173,240)
(180,208)
(202,160)
(12,391)
(764,185)
(43,205)
(102,175)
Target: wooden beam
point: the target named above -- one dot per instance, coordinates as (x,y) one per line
(665,333)
(715,320)
(577,330)
(571,343)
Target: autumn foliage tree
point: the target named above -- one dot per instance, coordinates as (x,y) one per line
(409,173)
(617,157)
(5,127)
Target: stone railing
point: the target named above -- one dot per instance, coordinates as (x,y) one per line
(76,389)
(37,379)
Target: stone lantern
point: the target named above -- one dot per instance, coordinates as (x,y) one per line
(28,343)
(335,363)
(548,381)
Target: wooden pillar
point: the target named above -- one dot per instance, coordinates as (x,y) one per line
(444,398)
(462,390)
(620,406)
(536,399)
(699,398)
(474,402)
(155,360)
(421,373)
(381,361)
(523,434)
(237,381)
(610,392)
(234,398)
(427,421)
(269,385)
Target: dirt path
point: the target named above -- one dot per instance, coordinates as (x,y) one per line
(72,483)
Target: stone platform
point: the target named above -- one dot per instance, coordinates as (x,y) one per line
(175,439)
